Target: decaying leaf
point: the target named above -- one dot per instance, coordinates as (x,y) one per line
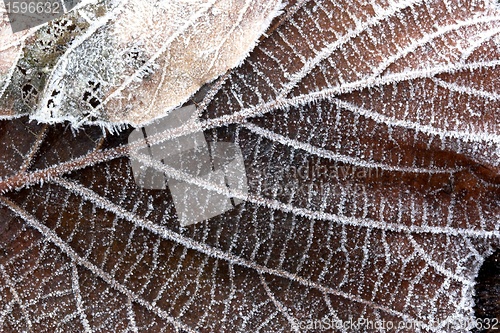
(10,50)
(369,132)
(131,61)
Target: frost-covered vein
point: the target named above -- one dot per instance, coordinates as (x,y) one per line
(333,92)
(158,53)
(309,243)
(333,312)
(33,244)
(46,281)
(465,301)
(137,263)
(25,179)
(52,237)
(328,50)
(254,312)
(289,14)
(325,153)
(181,291)
(217,49)
(485,36)
(214,59)
(129,245)
(131,317)
(189,243)
(5,311)
(291,46)
(260,74)
(154,265)
(287,240)
(180,259)
(281,308)
(441,32)
(308,213)
(275,204)
(194,294)
(62,63)
(467,90)
(387,263)
(263,323)
(415,281)
(437,266)
(34,149)
(213,284)
(80,308)
(53,294)
(464,135)
(215,88)
(232,293)
(15,295)
(64,321)
(394,78)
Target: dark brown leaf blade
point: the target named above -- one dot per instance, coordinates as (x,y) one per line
(371,147)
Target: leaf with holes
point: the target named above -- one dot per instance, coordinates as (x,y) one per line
(370,137)
(126,62)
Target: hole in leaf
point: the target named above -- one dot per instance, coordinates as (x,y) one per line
(94,102)
(28,92)
(86,96)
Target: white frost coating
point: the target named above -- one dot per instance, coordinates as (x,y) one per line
(327,51)
(466,136)
(294,323)
(46,115)
(311,214)
(468,90)
(338,157)
(333,92)
(491,34)
(175,47)
(441,32)
(7,281)
(220,162)
(75,282)
(363,237)
(10,48)
(53,238)
(218,253)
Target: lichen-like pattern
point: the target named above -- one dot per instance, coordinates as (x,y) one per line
(126,61)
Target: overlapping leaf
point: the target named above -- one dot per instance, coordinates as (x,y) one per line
(370,136)
(126,62)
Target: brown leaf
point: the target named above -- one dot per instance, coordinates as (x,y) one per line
(370,138)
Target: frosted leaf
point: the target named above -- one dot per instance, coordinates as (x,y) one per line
(220,163)
(131,61)
(369,131)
